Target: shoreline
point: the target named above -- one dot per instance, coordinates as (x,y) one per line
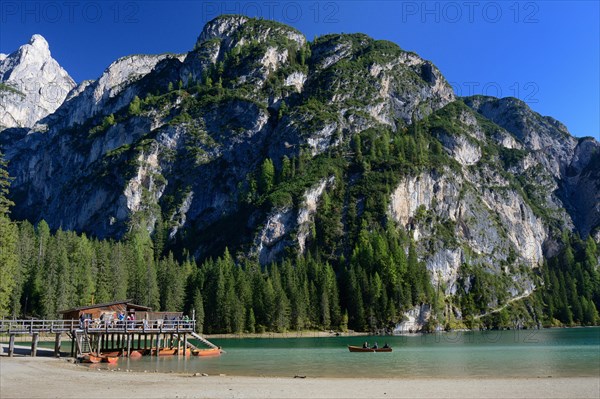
(333,334)
(288,334)
(50,377)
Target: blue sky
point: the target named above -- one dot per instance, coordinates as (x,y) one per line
(543,52)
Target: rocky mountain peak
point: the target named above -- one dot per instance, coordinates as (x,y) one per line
(239,29)
(549,139)
(220,27)
(33,86)
(39,43)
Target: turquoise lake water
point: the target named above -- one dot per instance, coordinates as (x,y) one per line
(532,353)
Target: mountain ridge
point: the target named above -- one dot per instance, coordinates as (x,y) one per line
(272,146)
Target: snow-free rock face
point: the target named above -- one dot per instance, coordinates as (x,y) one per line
(572,164)
(414,320)
(580,189)
(111,92)
(546,137)
(32,84)
(276,235)
(478,212)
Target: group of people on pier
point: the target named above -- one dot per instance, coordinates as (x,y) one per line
(116,320)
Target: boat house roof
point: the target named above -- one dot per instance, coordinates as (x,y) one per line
(128,304)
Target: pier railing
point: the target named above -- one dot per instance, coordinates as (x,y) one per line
(92,326)
(37,326)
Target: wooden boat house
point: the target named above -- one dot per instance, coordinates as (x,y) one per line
(107,311)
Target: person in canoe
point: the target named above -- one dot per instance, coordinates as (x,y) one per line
(366,345)
(375,346)
(386,345)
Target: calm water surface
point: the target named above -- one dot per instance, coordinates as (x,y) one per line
(534,353)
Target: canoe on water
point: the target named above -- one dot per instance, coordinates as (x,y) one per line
(207,352)
(361,349)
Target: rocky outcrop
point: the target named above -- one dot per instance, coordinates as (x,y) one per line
(32,84)
(580,188)
(109,93)
(414,320)
(307,211)
(258,48)
(548,139)
(572,164)
(476,213)
(276,234)
(273,238)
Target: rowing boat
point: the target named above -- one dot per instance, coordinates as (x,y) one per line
(361,349)
(167,351)
(207,352)
(112,354)
(90,358)
(183,352)
(109,359)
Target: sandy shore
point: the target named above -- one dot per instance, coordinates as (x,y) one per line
(25,377)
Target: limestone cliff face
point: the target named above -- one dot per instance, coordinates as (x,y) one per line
(360,83)
(33,84)
(500,209)
(571,163)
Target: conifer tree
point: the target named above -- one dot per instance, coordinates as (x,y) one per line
(8,244)
(266,177)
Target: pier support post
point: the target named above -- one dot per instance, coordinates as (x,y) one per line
(185,343)
(11,345)
(72,344)
(129,338)
(57,345)
(34,344)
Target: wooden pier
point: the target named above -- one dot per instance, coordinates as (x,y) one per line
(110,336)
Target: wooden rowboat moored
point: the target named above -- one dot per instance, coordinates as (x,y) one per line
(167,351)
(207,352)
(109,359)
(91,358)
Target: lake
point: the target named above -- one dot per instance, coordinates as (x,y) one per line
(519,353)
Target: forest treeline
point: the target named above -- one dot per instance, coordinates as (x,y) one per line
(381,280)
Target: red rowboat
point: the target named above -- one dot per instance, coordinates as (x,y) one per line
(109,359)
(207,352)
(90,358)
